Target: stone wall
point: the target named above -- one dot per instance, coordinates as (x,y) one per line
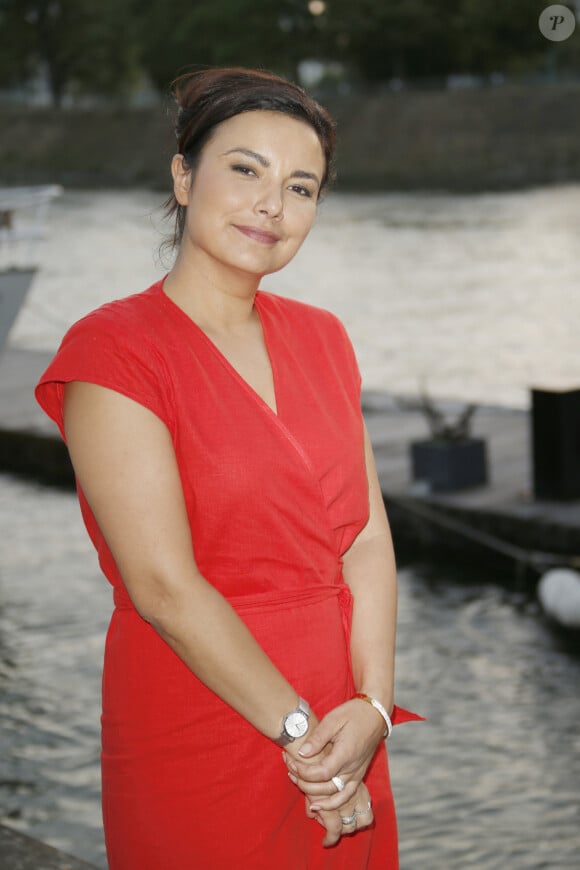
(464,140)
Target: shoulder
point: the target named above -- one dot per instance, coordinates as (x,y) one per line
(300,313)
(129,318)
(113,346)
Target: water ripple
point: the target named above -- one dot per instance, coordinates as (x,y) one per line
(491,781)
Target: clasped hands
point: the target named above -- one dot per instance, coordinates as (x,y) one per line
(341,745)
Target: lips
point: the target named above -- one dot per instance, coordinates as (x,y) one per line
(259,235)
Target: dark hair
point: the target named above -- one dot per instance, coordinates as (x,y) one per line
(208,97)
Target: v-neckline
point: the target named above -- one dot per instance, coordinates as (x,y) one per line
(275,412)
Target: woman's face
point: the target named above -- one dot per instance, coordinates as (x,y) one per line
(254,192)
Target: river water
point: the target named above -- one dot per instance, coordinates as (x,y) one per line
(477,293)
(476,296)
(491,781)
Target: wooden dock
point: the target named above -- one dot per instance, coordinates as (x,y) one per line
(501,519)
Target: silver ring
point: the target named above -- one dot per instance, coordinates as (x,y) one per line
(349,820)
(339,782)
(363,812)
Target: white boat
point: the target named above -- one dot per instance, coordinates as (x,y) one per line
(23,217)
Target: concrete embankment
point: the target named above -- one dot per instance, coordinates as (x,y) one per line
(491,138)
(19,852)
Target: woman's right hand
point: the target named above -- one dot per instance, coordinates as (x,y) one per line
(359,809)
(339,748)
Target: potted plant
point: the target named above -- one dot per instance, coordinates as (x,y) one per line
(451,459)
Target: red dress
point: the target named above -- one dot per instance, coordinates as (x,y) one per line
(273,501)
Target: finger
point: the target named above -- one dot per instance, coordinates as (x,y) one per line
(356,817)
(329,821)
(324,732)
(313,789)
(337,786)
(365,819)
(348,821)
(364,816)
(338,800)
(336,763)
(297,765)
(332,823)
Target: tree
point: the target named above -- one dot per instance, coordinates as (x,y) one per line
(78,44)
(383,39)
(101,46)
(16,45)
(178,34)
(500,38)
(398,38)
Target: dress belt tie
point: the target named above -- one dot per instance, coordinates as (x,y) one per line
(279,599)
(274,600)
(310,595)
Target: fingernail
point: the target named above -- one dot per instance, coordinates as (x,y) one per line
(293,778)
(314,808)
(292,766)
(305,749)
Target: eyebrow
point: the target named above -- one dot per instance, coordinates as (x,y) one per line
(263,161)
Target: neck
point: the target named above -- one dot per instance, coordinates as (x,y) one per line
(217,300)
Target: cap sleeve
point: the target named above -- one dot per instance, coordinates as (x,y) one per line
(351,359)
(102,349)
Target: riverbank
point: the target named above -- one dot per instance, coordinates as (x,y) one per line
(500,522)
(495,138)
(19,852)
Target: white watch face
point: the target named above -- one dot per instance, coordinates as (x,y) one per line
(296,724)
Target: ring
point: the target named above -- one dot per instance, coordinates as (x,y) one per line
(363,812)
(339,782)
(349,820)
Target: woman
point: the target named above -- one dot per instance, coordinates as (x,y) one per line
(227,482)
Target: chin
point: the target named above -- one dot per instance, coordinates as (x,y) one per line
(258,266)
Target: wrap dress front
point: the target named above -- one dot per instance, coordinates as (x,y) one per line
(274,500)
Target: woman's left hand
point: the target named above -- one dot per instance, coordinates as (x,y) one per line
(355,815)
(351,734)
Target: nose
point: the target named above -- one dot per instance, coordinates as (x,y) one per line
(270,202)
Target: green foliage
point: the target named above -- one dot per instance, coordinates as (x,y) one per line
(104,46)
(80,44)
(16,44)
(507,38)
(176,35)
(430,38)
(398,38)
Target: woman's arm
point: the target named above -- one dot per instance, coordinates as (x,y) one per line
(355,729)
(124,460)
(125,463)
(370,571)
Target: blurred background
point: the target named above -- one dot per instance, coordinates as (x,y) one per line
(450,250)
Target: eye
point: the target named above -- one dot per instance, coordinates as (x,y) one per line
(301,190)
(243,169)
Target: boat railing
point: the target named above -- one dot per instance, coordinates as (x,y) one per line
(23,222)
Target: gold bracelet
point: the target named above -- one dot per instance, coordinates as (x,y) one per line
(380,709)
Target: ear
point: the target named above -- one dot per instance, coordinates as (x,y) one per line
(181,179)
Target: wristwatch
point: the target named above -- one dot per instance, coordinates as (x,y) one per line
(295,724)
